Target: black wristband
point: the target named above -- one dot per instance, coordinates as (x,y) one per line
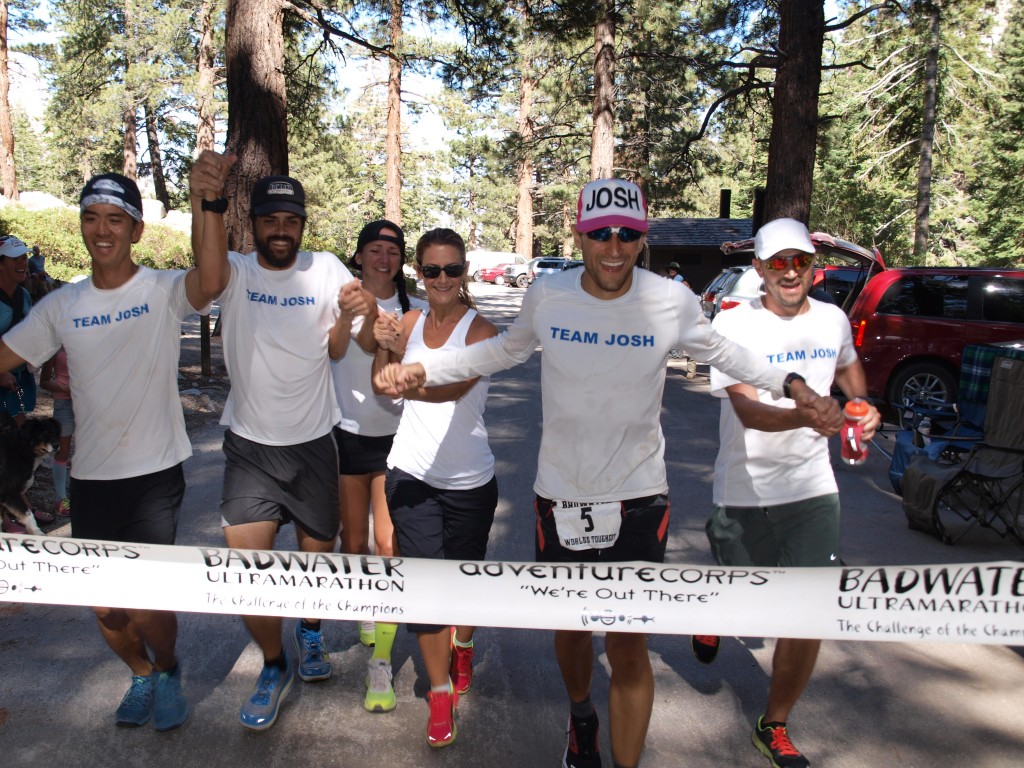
(789,380)
(220,205)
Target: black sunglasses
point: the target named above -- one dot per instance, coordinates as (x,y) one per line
(626,234)
(431,271)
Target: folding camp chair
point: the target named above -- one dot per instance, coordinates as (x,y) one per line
(944,432)
(987,488)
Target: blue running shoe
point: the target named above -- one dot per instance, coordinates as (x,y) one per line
(260,711)
(314,661)
(137,705)
(170,707)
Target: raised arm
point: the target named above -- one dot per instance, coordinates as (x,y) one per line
(208,279)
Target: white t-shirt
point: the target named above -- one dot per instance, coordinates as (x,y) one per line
(602,378)
(363,412)
(275,326)
(123,347)
(444,444)
(760,469)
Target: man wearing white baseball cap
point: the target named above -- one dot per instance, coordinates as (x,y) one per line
(18,387)
(776,502)
(602,491)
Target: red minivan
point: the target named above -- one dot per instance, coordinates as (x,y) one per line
(910,326)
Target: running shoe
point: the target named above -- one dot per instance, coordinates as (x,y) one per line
(380,693)
(441,728)
(314,661)
(42,517)
(581,748)
(367,633)
(137,705)
(63,508)
(460,670)
(170,707)
(773,742)
(260,710)
(705,647)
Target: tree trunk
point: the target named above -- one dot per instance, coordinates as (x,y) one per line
(922,213)
(524,171)
(204,141)
(131,127)
(10,171)
(205,66)
(794,132)
(393,170)
(602,149)
(156,163)
(257,115)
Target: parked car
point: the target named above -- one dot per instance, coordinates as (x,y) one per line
(494,275)
(481,260)
(554,266)
(520,275)
(718,283)
(911,325)
(743,286)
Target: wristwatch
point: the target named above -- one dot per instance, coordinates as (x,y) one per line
(219,205)
(789,380)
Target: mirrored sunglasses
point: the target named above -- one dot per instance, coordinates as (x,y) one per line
(626,234)
(780,263)
(431,271)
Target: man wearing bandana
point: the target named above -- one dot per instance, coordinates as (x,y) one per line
(121,330)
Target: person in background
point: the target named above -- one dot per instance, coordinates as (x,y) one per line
(39,282)
(365,435)
(54,379)
(440,484)
(17,386)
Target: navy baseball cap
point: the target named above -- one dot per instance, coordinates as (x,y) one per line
(278,193)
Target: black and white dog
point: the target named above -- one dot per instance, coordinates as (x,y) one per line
(21,451)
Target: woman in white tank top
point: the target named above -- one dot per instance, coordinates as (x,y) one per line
(364,435)
(440,483)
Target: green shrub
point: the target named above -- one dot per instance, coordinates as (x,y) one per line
(56,233)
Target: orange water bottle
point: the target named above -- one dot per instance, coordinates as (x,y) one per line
(852,450)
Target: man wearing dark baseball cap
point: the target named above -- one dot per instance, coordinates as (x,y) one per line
(285,314)
(607,330)
(277,193)
(121,331)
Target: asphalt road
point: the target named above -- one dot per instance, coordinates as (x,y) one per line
(886,704)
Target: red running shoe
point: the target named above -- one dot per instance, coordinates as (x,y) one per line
(441,728)
(461,668)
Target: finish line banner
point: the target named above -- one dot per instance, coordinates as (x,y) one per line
(972,602)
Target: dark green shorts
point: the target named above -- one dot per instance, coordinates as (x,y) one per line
(799,534)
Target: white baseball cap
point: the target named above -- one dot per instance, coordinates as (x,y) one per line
(11,247)
(782,235)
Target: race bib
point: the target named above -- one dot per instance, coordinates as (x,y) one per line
(585,525)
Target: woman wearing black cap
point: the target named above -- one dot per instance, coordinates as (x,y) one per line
(364,436)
